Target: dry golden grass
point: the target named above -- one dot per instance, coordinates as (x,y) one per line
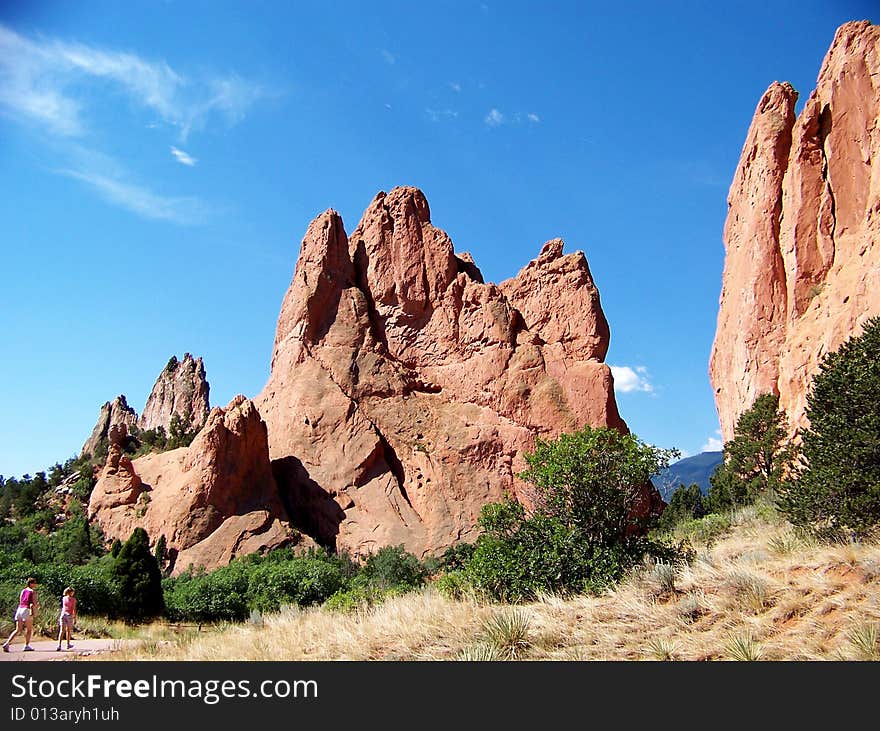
(760,592)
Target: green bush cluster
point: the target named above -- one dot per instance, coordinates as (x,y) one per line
(518,557)
(587,528)
(703,529)
(266,583)
(835,492)
(686,503)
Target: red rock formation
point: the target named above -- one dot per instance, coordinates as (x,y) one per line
(213,500)
(181,389)
(115,414)
(404,389)
(802,271)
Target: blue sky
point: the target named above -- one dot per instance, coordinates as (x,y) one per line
(160,162)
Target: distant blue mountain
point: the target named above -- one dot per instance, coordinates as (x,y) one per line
(698,468)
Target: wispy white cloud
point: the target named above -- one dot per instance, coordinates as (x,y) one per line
(184,158)
(62,88)
(52,82)
(713,444)
(630,380)
(28,91)
(494,118)
(388,57)
(455,86)
(437,115)
(140,200)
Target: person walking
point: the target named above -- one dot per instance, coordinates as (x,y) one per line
(67,618)
(24,615)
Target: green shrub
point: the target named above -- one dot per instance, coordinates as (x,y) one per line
(300,581)
(704,529)
(594,480)
(743,648)
(453,584)
(359,596)
(837,492)
(97,591)
(392,567)
(685,503)
(221,595)
(587,528)
(516,557)
(457,556)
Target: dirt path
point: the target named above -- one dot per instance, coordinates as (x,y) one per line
(44,650)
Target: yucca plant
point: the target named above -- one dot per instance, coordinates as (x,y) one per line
(743,648)
(690,607)
(863,638)
(751,590)
(664,575)
(481,652)
(509,632)
(784,543)
(662,648)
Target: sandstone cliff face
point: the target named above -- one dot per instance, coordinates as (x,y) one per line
(802,271)
(181,389)
(404,389)
(213,501)
(113,414)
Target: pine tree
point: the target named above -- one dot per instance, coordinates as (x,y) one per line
(837,493)
(161,552)
(686,502)
(758,458)
(139,578)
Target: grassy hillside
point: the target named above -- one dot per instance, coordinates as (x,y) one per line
(754,590)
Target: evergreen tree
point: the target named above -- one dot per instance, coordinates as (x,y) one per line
(181,432)
(686,502)
(140,581)
(758,458)
(161,552)
(837,492)
(115,547)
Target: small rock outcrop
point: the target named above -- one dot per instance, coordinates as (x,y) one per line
(114,413)
(212,501)
(802,270)
(181,389)
(404,389)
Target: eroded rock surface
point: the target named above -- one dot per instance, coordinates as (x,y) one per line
(802,270)
(404,389)
(181,389)
(212,500)
(113,414)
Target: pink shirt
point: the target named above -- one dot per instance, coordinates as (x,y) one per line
(68,604)
(26,598)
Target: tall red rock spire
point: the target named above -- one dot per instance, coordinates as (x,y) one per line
(802,270)
(404,389)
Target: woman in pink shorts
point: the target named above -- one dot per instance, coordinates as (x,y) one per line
(68,616)
(24,615)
